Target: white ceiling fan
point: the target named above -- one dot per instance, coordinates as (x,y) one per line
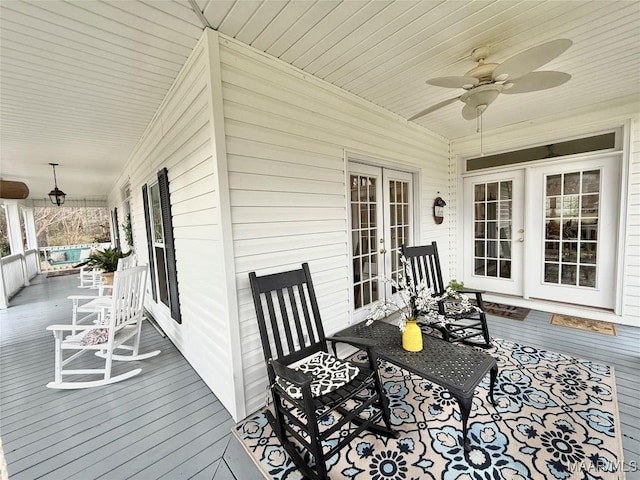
(486,81)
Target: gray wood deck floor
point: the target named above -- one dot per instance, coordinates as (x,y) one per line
(166,423)
(163,423)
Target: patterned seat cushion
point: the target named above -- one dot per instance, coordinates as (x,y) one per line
(95,337)
(328,371)
(459,308)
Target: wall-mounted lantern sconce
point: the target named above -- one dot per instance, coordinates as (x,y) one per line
(438,209)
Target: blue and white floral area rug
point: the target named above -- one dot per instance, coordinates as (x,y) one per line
(556,418)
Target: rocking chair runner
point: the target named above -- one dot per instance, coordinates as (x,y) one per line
(308,384)
(468,326)
(119,321)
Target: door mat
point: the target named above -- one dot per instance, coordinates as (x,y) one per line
(596,326)
(506,311)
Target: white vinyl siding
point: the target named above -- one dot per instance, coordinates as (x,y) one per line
(180,138)
(287,134)
(631,298)
(560,128)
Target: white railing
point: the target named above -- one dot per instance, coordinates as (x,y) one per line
(12,275)
(32,261)
(17,270)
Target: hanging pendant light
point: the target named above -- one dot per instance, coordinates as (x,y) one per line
(56,195)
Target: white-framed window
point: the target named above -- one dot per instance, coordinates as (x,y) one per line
(160,242)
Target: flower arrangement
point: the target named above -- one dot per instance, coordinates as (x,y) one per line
(418,299)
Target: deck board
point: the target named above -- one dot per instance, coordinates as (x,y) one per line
(165,423)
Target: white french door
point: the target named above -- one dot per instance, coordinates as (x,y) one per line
(494,232)
(575,214)
(381,221)
(564,251)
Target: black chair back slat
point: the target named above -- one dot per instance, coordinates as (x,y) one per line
(296,314)
(437,273)
(286,325)
(274,326)
(309,322)
(314,305)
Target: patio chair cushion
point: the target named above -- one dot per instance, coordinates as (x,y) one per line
(58,256)
(96,336)
(328,371)
(456,308)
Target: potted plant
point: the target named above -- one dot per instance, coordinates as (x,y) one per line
(128,232)
(105,260)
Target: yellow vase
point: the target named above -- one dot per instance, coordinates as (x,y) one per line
(412,337)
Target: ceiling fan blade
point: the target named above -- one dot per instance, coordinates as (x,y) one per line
(433,108)
(535,81)
(453,82)
(469,112)
(527,61)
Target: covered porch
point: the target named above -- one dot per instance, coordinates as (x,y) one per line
(166,423)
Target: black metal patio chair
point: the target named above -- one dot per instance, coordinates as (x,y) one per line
(315,393)
(465,325)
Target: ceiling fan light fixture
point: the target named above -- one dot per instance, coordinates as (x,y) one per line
(482,95)
(56,195)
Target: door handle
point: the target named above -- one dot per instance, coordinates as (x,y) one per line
(383,250)
(521,240)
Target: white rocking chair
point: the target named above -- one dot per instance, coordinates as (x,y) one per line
(118,322)
(95,303)
(90,278)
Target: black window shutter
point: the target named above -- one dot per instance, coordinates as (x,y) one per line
(147,221)
(116,231)
(170,251)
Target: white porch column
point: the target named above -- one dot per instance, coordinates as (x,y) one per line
(15,234)
(30,227)
(13,225)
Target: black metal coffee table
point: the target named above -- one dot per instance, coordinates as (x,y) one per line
(457,368)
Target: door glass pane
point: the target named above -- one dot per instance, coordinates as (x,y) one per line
(363,231)
(554,185)
(571,231)
(493,226)
(571,183)
(479,266)
(505,269)
(553,207)
(587,276)
(506,190)
(591,181)
(552,251)
(398,223)
(156,214)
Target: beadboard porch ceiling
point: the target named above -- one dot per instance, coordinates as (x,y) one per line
(82,79)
